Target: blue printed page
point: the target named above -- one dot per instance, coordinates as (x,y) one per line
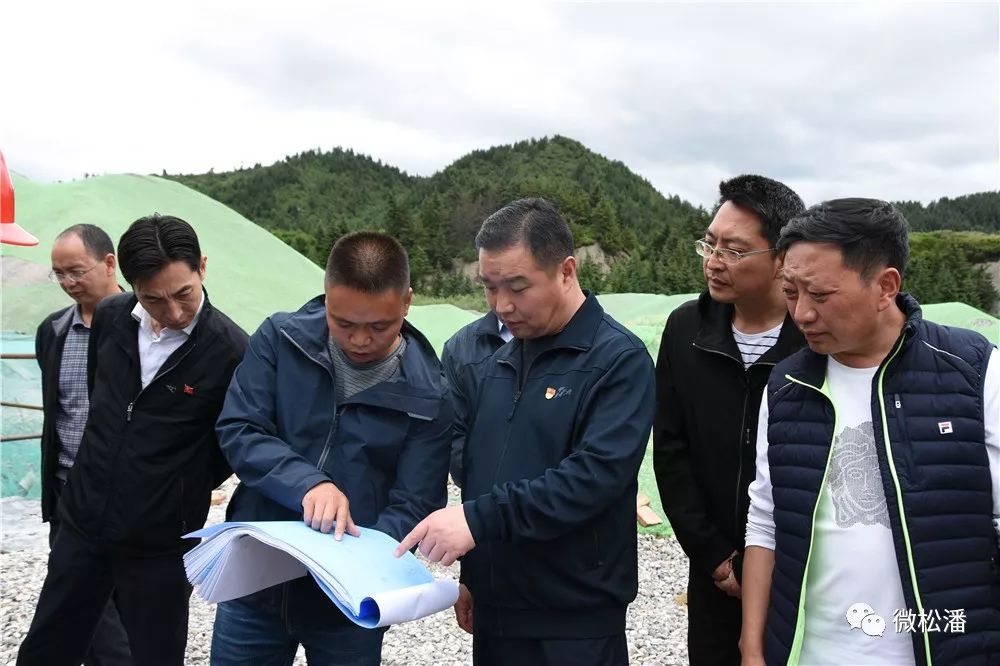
(361,566)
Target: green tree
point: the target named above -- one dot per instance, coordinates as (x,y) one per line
(590,276)
(606,227)
(941,273)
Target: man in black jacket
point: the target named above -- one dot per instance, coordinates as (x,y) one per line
(159,362)
(715,357)
(560,421)
(84,265)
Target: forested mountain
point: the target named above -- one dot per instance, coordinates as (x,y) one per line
(972,212)
(310,199)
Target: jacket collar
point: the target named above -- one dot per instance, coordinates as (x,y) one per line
(61,324)
(126,328)
(308,329)
(578,334)
(812,368)
(911,308)
(488,325)
(716,332)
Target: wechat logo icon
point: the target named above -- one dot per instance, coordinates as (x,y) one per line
(862,616)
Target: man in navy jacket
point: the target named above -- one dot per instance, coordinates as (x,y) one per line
(557,432)
(463,357)
(338,415)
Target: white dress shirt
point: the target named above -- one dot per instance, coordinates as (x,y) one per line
(155,348)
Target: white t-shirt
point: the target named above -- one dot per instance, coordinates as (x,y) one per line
(853,570)
(854,561)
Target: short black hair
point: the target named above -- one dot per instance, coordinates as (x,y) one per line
(536,223)
(368,261)
(871,234)
(773,202)
(154,241)
(96,241)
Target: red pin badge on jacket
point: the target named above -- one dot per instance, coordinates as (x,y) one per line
(10,232)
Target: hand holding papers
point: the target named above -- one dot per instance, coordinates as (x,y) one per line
(361,575)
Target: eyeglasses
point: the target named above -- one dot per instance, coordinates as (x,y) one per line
(72,276)
(725,256)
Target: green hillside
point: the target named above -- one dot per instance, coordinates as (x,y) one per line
(250,273)
(971,212)
(309,199)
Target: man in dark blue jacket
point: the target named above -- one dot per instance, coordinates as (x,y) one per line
(463,357)
(558,430)
(338,415)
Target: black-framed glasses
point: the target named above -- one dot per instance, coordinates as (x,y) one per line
(70,276)
(705,250)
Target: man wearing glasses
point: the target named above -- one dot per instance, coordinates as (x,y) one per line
(84,265)
(715,357)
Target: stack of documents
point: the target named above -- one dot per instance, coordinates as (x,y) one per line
(360,574)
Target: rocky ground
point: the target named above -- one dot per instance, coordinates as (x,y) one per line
(656,621)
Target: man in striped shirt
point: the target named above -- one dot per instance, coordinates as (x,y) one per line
(714,361)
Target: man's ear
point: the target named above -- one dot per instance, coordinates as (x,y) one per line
(889,282)
(779,264)
(568,268)
(407,301)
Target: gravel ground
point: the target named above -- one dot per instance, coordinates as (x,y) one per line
(656,626)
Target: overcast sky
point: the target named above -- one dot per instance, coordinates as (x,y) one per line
(897,101)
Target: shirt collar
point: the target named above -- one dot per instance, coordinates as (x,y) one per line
(505,333)
(140,315)
(77,318)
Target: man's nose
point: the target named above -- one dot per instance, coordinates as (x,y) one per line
(504,304)
(801,310)
(713,261)
(360,339)
(175,310)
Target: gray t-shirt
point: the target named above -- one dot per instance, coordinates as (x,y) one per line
(351,378)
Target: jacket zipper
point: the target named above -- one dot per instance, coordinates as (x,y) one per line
(327,445)
(183,518)
(744,428)
(128,419)
(899,492)
(745,434)
(503,454)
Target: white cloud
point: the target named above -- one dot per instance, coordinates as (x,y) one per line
(891,100)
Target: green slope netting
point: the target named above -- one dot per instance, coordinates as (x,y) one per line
(644,314)
(250,272)
(250,275)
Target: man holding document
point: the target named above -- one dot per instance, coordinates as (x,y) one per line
(338,416)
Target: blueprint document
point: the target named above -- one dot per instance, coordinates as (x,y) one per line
(359,574)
